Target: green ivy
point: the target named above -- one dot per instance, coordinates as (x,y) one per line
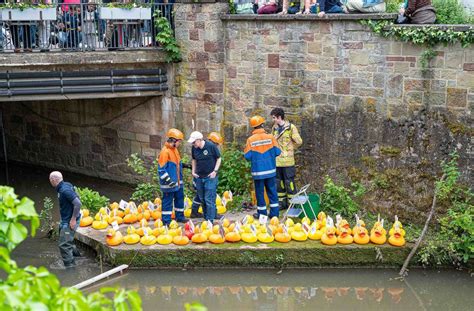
(92,200)
(166,38)
(426,36)
(26,4)
(127,5)
(450,12)
(426,57)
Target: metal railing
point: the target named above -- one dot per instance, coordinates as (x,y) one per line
(74,26)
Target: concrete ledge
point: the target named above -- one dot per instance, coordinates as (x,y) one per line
(18,60)
(227,255)
(310,17)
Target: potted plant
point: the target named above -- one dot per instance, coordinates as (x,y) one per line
(26,11)
(121,11)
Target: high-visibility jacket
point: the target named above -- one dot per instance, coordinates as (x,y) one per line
(288,140)
(170,168)
(261,150)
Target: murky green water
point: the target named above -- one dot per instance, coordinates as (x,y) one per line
(328,289)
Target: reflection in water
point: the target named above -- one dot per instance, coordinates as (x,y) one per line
(301,289)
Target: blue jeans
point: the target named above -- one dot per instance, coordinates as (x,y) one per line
(175,198)
(207,189)
(268,184)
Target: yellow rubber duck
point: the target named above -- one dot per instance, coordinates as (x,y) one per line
(306,220)
(265,236)
(131,237)
(298,233)
(282,237)
(86,219)
(100,224)
(400,226)
(181,240)
(329,237)
(148,240)
(216,238)
(221,209)
(342,223)
(378,234)
(199,237)
(321,221)
(232,236)
(113,238)
(358,222)
(361,235)
(249,235)
(164,238)
(315,233)
(396,239)
(345,237)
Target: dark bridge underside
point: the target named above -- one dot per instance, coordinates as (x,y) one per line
(35,85)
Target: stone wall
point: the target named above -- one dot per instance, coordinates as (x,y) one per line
(367,110)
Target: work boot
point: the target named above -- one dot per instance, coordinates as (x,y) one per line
(196,215)
(256,215)
(70,265)
(182,220)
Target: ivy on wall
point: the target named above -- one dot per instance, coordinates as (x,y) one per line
(166,38)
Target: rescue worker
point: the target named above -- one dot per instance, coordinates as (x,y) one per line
(288,140)
(217,139)
(261,150)
(170,173)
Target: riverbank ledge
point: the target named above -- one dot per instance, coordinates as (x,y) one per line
(308,254)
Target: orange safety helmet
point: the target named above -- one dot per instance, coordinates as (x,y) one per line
(175,133)
(215,138)
(256,121)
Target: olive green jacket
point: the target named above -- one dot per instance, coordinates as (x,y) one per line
(288,140)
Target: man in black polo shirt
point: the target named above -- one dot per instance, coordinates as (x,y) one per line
(206,160)
(69,210)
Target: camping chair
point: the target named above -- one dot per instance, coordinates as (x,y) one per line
(300,198)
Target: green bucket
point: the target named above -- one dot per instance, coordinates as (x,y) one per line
(315,202)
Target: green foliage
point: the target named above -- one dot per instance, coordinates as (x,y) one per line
(32,288)
(25,4)
(337,199)
(146,192)
(150,189)
(128,5)
(393,6)
(92,200)
(46,215)
(166,38)
(453,240)
(450,12)
(426,36)
(238,201)
(426,57)
(234,173)
(232,9)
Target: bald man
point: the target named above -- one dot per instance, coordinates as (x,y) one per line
(69,209)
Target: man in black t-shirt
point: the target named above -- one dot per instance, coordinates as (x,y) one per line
(206,160)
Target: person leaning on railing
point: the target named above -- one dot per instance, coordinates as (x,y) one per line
(419,11)
(364,6)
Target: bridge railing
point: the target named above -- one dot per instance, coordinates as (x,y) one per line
(78,25)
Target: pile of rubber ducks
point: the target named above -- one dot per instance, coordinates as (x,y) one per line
(130,213)
(250,230)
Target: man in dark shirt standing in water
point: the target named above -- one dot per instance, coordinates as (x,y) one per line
(206,160)
(69,208)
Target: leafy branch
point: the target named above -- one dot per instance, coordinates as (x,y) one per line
(166,38)
(427,35)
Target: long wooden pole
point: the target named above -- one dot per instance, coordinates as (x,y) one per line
(100,277)
(422,235)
